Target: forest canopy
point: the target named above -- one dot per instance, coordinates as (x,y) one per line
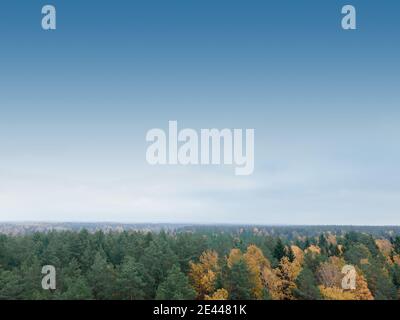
(205,263)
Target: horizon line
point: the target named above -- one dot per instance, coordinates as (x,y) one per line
(199,223)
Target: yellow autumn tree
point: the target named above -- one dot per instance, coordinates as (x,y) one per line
(384,246)
(287,272)
(273,283)
(331,238)
(234,257)
(313,249)
(298,253)
(220,294)
(256,263)
(362,291)
(204,274)
(335,293)
(330,276)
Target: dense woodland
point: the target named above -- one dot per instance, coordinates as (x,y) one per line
(203,263)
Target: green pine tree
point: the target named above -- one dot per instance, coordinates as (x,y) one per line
(238,283)
(130,280)
(396,244)
(11,285)
(77,288)
(101,278)
(306,286)
(279,250)
(175,286)
(290,254)
(323,244)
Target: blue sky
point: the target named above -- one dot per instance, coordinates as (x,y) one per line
(76,103)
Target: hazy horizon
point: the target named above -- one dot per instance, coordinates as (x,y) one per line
(197,223)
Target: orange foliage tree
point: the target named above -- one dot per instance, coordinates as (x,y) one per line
(204,274)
